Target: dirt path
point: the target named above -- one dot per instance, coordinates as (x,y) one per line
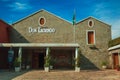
(61,75)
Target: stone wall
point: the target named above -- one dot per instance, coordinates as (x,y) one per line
(93,57)
(64,31)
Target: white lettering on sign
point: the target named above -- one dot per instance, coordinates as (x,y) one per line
(41,30)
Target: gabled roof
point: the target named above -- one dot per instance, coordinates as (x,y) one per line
(114,42)
(38,12)
(93,18)
(114,47)
(58,17)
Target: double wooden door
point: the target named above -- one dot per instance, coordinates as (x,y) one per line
(38,60)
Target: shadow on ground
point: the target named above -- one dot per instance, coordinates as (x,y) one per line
(10,75)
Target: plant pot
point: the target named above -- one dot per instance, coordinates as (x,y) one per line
(51,67)
(104,67)
(28,67)
(23,66)
(46,69)
(17,69)
(118,68)
(77,69)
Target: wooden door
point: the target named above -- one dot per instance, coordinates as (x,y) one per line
(90,38)
(63,60)
(35,61)
(115,60)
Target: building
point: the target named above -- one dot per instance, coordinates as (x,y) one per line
(41,31)
(4,38)
(114,52)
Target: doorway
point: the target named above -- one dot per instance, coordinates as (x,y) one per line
(41,60)
(38,60)
(115,60)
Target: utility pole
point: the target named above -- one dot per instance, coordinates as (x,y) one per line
(74,23)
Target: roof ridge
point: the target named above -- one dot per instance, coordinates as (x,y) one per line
(38,12)
(27,16)
(93,18)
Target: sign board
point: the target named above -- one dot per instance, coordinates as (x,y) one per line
(41,30)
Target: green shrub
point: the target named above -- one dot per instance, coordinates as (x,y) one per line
(77,60)
(77,63)
(17,62)
(104,63)
(47,59)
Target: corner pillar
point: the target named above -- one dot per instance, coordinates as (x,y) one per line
(47,51)
(47,62)
(76,54)
(111,60)
(20,56)
(77,66)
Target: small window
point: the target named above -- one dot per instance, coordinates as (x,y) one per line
(90,37)
(42,21)
(90,23)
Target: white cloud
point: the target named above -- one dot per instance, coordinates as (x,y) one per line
(105,13)
(19,6)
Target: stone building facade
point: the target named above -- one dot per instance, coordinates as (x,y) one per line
(114,56)
(4,38)
(114,53)
(36,32)
(93,55)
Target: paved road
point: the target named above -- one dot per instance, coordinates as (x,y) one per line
(61,75)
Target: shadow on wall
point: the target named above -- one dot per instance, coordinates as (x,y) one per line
(86,64)
(16,37)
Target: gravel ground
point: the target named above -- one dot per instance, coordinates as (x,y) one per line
(61,75)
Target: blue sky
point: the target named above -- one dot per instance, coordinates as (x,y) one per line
(105,10)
